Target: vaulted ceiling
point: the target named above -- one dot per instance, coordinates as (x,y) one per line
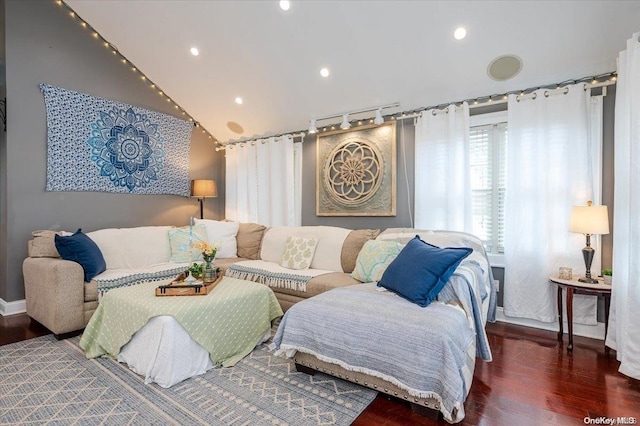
(378,52)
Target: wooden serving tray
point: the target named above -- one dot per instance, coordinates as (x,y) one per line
(178,287)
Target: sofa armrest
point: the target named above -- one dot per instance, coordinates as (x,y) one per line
(54,292)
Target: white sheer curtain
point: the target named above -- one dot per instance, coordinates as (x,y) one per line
(549,169)
(624,320)
(263,182)
(442,170)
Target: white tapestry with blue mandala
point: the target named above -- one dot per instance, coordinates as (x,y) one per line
(94,144)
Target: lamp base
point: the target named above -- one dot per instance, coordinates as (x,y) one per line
(588,280)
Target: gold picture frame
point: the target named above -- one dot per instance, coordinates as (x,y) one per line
(356,171)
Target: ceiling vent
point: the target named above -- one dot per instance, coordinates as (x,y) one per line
(504,67)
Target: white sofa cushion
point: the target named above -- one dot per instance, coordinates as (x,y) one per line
(133,248)
(328,251)
(223,236)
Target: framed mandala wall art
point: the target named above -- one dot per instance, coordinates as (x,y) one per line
(95,144)
(356,172)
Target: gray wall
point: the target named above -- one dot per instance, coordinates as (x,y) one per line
(43,44)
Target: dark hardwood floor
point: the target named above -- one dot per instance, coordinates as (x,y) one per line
(532,380)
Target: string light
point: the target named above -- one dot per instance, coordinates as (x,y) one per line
(124,60)
(598,80)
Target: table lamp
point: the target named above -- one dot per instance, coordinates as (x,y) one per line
(589,220)
(202,189)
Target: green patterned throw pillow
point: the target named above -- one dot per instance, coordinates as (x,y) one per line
(181,240)
(298,252)
(373,259)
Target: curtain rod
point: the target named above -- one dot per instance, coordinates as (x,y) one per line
(484,101)
(300,135)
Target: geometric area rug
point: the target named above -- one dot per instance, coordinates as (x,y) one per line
(46,381)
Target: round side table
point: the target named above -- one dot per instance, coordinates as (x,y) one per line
(572,287)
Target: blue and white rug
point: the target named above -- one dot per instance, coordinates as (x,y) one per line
(96,144)
(45,381)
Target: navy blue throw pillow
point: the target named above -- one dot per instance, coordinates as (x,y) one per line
(83,250)
(421,270)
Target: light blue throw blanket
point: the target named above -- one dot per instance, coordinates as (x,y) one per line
(421,350)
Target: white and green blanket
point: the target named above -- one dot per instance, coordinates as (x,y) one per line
(228,322)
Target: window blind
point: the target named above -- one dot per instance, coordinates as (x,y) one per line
(488,145)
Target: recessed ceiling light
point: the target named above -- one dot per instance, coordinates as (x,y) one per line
(195,51)
(460,33)
(285,4)
(239,100)
(324,72)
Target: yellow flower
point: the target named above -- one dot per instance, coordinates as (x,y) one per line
(207,250)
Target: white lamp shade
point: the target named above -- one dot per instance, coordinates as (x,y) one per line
(592,220)
(204,188)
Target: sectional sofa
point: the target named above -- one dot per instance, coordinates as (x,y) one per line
(59,297)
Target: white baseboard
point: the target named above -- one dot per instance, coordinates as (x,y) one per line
(10,308)
(592,331)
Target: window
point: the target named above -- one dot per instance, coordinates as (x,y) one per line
(488,146)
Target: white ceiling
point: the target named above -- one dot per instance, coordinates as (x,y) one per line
(379,52)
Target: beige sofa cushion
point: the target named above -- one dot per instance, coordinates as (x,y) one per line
(91,291)
(320,284)
(43,244)
(250,240)
(352,246)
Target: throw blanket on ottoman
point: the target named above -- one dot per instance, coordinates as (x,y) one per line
(228,322)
